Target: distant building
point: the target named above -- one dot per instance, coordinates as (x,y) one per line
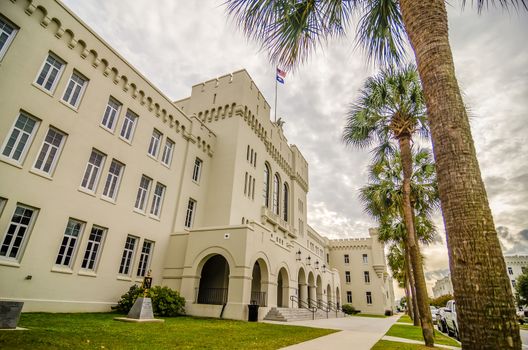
(443,286)
(516,264)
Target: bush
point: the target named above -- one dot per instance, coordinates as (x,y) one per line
(165,301)
(388,312)
(349,309)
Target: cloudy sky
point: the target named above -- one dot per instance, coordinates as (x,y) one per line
(177,44)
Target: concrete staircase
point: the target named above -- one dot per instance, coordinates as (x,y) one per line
(285,314)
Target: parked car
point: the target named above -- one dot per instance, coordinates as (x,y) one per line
(433,313)
(440,320)
(522,316)
(451,319)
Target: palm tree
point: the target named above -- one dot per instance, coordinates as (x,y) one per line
(290,30)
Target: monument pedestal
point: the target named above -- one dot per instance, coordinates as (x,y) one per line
(10,314)
(141,311)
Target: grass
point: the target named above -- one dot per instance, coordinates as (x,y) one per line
(369,315)
(392,345)
(415,333)
(100,331)
(405,319)
(523,326)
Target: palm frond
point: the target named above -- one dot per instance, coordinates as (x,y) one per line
(484,4)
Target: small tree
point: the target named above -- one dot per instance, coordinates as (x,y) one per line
(441,301)
(522,289)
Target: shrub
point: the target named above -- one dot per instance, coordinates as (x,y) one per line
(349,309)
(388,312)
(165,301)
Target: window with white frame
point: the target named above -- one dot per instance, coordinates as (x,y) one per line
(366,275)
(155,141)
(347,259)
(129,125)
(369,298)
(285,201)
(113,179)
(16,145)
(189,217)
(128,255)
(347,276)
(166,158)
(365,259)
(93,170)
(349,297)
(266,189)
(157,199)
(144,258)
(75,89)
(197,171)
(50,73)
(18,232)
(93,248)
(143,193)
(50,150)
(276,189)
(510,270)
(3,202)
(68,246)
(111,114)
(7,34)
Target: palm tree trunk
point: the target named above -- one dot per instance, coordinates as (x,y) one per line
(412,291)
(408,296)
(412,244)
(481,287)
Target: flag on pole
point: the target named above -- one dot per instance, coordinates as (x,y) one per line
(281,75)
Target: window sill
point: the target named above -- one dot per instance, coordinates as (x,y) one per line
(138,211)
(108,200)
(152,157)
(73,108)
(196,182)
(129,142)
(106,129)
(124,278)
(154,217)
(11,162)
(86,191)
(47,92)
(88,273)
(166,165)
(41,174)
(11,263)
(62,269)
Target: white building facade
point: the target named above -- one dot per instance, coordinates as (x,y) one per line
(104,178)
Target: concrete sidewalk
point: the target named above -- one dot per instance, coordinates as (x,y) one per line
(359,333)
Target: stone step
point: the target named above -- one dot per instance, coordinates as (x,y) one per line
(296,314)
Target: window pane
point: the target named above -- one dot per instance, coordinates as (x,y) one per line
(15,235)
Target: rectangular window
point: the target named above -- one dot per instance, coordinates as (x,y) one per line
(155,141)
(111,114)
(93,170)
(68,246)
(143,193)
(91,255)
(17,232)
(197,170)
(347,259)
(75,89)
(50,73)
(347,276)
(129,125)
(245,183)
(369,298)
(166,158)
(365,259)
(7,33)
(189,217)
(16,145)
(366,274)
(510,270)
(144,258)
(301,227)
(513,283)
(113,179)
(349,297)
(157,199)
(128,255)
(50,150)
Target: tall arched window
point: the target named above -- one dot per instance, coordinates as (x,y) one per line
(266,185)
(276,196)
(285,201)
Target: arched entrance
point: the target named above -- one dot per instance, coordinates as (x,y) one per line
(311,290)
(283,287)
(302,286)
(338,298)
(319,290)
(329,294)
(214,281)
(259,283)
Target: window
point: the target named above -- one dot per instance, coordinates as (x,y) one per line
(189,217)
(75,89)
(129,125)
(253,190)
(366,274)
(17,232)
(286,201)
(91,255)
(128,255)
(7,34)
(93,169)
(50,73)
(166,158)
(113,179)
(266,185)
(155,141)
(276,188)
(69,243)
(111,114)
(347,259)
(301,227)
(157,200)
(369,298)
(143,193)
(349,297)
(16,145)
(365,259)
(347,276)
(50,150)
(513,283)
(144,258)
(510,270)
(197,170)
(245,183)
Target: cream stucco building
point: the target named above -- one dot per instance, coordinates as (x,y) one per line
(103,177)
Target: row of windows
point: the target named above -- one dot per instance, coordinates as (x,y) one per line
(366,277)
(276,204)
(249,186)
(364,258)
(368,296)
(251,156)
(21,224)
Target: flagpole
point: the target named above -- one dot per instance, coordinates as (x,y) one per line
(276,84)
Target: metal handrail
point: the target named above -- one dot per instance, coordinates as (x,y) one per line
(333,306)
(304,305)
(320,304)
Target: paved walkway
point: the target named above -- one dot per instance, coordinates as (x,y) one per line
(359,333)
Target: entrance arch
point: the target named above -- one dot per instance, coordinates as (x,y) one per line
(283,287)
(338,298)
(214,281)
(311,290)
(259,283)
(302,287)
(319,289)
(329,298)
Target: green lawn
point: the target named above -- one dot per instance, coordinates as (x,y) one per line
(392,345)
(100,331)
(369,315)
(415,333)
(405,319)
(523,326)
